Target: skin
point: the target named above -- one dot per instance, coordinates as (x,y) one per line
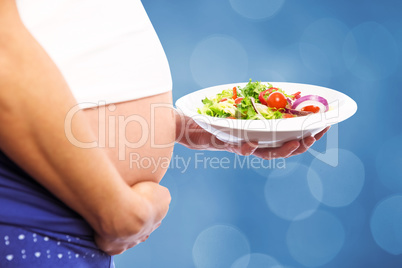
(84,179)
(95,181)
(160,132)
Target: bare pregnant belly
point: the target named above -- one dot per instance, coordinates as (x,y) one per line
(137,135)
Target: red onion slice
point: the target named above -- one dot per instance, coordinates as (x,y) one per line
(289,101)
(253,103)
(313,100)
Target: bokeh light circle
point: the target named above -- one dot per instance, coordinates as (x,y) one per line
(327,37)
(284,166)
(337,186)
(389,163)
(257,9)
(370,51)
(255,260)
(316,240)
(315,59)
(386,224)
(289,64)
(288,194)
(219,246)
(219,60)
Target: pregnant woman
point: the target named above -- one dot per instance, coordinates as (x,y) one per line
(84,86)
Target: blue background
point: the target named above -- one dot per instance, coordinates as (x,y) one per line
(308,214)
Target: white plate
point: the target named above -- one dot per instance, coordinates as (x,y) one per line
(269,133)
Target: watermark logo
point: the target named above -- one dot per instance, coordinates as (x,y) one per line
(200,160)
(198,132)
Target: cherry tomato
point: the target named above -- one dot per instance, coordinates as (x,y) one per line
(231,117)
(287,116)
(277,100)
(234,93)
(223,99)
(238,100)
(311,108)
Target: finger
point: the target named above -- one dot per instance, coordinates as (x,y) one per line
(320,134)
(304,145)
(108,247)
(154,228)
(157,196)
(249,148)
(131,245)
(157,226)
(162,203)
(143,239)
(245,148)
(281,152)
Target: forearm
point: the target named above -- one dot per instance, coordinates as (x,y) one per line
(34,100)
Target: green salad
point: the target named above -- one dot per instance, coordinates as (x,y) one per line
(259,100)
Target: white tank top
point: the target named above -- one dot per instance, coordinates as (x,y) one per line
(107,50)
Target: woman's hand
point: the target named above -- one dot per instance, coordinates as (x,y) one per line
(148,211)
(191,135)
